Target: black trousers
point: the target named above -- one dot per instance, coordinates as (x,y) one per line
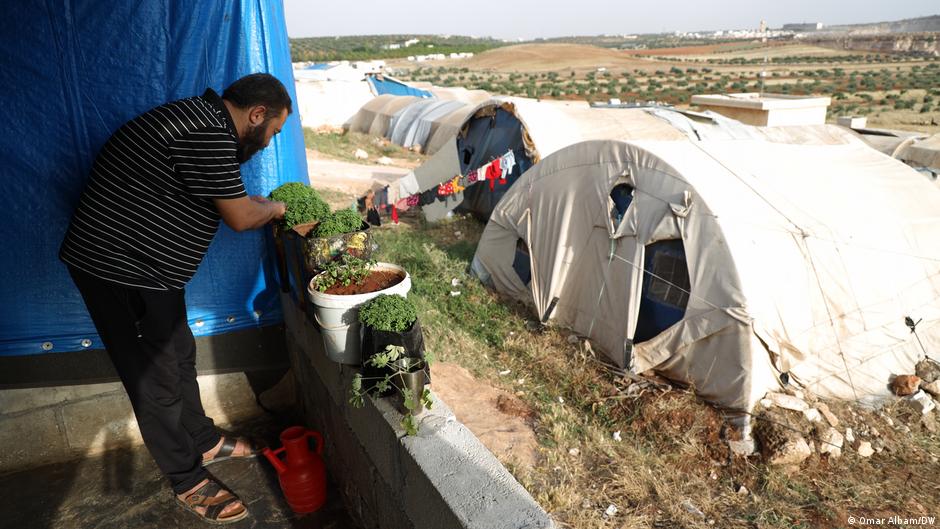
(146,334)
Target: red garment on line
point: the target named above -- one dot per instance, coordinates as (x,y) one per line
(394,214)
(493,172)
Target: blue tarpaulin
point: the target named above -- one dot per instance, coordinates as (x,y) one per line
(73,73)
(385,85)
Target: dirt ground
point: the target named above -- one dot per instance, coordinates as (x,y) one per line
(498,418)
(546,57)
(349,178)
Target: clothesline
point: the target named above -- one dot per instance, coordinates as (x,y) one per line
(496,170)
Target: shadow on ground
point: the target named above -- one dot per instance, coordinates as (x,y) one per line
(123,488)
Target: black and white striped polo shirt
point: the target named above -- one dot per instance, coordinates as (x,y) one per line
(147,215)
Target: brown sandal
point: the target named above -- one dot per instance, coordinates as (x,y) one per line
(205,496)
(227,450)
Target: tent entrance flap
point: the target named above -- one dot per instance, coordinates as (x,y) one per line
(485,138)
(666,288)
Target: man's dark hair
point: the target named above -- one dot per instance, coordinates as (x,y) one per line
(259,89)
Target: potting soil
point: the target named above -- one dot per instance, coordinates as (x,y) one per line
(377,280)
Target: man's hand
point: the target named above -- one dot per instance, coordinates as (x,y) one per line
(280,207)
(248,213)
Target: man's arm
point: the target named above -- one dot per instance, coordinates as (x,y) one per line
(246,213)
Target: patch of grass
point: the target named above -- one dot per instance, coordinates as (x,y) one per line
(343,147)
(671,453)
(336,199)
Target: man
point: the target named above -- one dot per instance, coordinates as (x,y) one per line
(152,205)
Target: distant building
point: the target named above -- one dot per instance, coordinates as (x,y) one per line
(762,27)
(803,26)
(767,110)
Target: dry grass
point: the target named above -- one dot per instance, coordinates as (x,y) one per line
(671,456)
(340,146)
(548,57)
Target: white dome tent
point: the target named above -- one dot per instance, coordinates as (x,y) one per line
(724,263)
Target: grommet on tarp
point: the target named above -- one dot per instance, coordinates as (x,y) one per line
(86,342)
(46,346)
(230,319)
(257,314)
(200,323)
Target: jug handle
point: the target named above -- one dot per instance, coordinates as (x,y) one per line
(318,437)
(276,452)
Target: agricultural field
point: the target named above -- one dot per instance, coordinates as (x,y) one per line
(894,90)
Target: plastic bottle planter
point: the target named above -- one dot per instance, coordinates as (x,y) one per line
(301,257)
(338,316)
(411,375)
(318,251)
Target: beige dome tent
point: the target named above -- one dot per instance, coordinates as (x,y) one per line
(375,116)
(531,129)
(534,129)
(923,154)
(725,263)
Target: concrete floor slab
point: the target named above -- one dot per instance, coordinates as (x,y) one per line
(123,488)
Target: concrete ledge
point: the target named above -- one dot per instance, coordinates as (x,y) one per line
(441,478)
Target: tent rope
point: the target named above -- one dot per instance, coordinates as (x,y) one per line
(670,283)
(600,294)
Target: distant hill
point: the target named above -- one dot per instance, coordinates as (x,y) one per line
(366,47)
(927,24)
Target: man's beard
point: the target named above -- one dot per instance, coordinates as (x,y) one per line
(251,143)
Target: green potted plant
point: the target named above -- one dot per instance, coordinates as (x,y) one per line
(408,375)
(305,208)
(339,290)
(390,319)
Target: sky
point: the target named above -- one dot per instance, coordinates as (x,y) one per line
(528,19)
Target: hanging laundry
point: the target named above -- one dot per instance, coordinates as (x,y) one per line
(445,189)
(372,217)
(394,214)
(493,172)
(381,198)
(456,184)
(393,195)
(472,177)
(413,200)
(427,197)
(510,162)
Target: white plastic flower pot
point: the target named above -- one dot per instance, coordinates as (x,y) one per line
(338,316)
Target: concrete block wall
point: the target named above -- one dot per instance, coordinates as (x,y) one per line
(49,425)
(441,478)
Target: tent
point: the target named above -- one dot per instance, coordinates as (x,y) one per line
(726,262)
(81,74)
(330,103)
(383,84)
(415,124)
(375,117)
(530,130)
(923,154)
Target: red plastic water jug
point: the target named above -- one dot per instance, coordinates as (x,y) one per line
(303,475)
